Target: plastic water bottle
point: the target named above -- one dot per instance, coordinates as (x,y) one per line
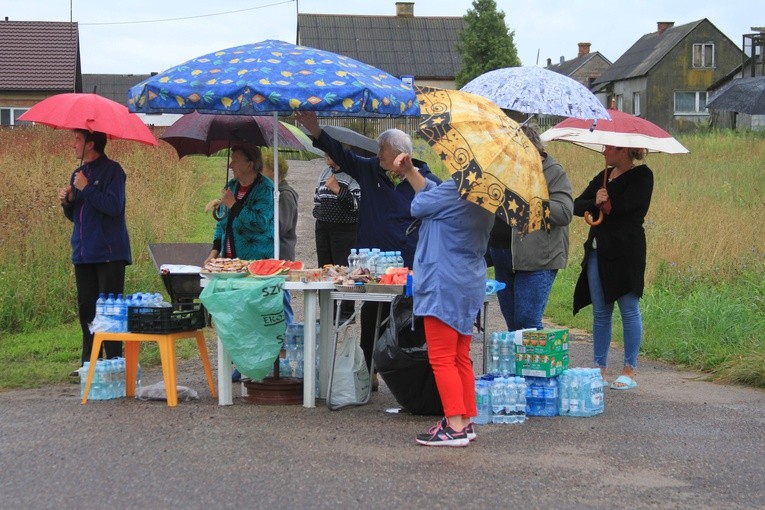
(550,390)
(83,378)
(574,393)
(564,387)
(483,402)
(353,259)
(120,379)
(497,401)
(592,392)
(399,259)
(494,353)
(374,259)
(120,306)
(99,380)
(362,261)
(520,384)
(110,313)
(101,306)
(506,356)
(511,401)
(534,394)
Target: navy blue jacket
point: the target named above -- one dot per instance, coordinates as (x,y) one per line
(98,213)
(384,211)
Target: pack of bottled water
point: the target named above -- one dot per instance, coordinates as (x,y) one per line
(581,392)
(374,260)
(542,396)
(108,379)
(502,346)
(112,312)
(500,400)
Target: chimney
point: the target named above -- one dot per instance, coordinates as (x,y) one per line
(584,49)
(405,9)
(661,26)
(562,59)
(549,62)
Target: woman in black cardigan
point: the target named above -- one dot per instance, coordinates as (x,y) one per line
(613,268)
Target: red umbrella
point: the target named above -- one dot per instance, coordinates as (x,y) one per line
(91,112)
(623,130)
(195,133)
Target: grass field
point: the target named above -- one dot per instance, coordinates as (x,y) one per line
(704,305)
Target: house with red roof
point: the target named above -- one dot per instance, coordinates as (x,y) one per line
(37,59)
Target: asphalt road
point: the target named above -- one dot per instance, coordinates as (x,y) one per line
(675,441)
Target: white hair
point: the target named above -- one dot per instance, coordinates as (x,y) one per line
(396,140)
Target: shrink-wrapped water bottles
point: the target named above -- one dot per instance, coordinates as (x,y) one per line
(483,402)
(581,392)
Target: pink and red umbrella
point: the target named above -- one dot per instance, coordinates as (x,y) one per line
(623,130)
(90,112)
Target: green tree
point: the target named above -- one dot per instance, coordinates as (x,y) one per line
(486,43)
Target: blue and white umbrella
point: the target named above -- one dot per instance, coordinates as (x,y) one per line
(535,90)
(274,77)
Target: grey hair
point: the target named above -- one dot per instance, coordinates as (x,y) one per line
(396,140)
(533,136)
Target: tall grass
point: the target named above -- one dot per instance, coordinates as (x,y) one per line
(704,305)
(36,275)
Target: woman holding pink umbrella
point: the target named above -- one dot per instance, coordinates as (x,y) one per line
(613,269)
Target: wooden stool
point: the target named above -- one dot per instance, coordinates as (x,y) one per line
(166,344)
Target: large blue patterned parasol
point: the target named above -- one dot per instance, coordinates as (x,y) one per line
(274,76)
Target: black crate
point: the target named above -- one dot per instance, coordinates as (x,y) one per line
(182,287)
(181,317)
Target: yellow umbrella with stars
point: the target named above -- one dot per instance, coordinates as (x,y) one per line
(487,154)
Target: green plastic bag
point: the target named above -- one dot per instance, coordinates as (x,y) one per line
(249,318)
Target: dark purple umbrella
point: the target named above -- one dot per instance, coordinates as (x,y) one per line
(195,133)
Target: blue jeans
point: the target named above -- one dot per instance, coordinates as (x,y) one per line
(602,312)
(524,299)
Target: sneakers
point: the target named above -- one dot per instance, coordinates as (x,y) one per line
(470,431)
(442,434)
(75,373)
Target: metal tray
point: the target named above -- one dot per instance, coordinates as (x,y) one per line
(379,288)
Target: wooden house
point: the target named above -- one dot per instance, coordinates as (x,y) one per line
(664,76)
(585,68)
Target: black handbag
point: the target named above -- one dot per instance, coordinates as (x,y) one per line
(401,359)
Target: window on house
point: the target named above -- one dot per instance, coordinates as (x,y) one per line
(690,103)
(620,102)
(703,55)
(636,103)
(10,116)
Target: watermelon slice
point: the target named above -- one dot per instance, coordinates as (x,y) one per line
(272,267)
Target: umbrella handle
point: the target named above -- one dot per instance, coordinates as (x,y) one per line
(219,213)
(590,221)
(599,219)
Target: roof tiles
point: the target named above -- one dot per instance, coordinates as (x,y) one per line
(39,56)
(421,46)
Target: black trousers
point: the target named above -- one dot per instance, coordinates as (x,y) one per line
(92,279)
(333,244)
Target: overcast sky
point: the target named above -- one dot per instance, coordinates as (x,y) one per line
(141,36)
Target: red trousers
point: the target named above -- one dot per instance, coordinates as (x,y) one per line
(449,355)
